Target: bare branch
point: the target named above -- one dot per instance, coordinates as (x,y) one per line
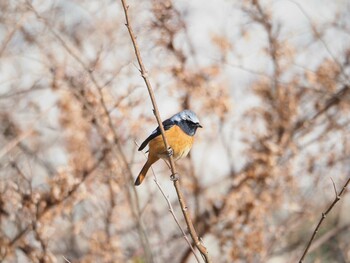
(323,216)
(174,177)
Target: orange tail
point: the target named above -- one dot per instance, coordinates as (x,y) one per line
(144,171)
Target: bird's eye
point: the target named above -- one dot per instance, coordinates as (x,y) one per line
(190,123)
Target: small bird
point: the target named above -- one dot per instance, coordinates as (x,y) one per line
(179,131)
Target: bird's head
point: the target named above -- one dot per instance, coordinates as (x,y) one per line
(188,121)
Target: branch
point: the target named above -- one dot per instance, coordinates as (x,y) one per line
(323,216)
(203,250)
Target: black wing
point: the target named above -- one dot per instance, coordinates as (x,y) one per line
(167,124)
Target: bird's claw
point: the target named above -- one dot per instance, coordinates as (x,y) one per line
(170,151)
(174,177)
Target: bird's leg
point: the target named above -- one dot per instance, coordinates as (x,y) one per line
(169,152)
(174,176)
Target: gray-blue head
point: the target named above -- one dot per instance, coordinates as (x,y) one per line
(188,121)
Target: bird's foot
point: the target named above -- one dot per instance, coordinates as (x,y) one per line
(170,151)
(174,177)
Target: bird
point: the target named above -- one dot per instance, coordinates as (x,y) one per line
(179,130)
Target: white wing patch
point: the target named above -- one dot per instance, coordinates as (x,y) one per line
(154,132)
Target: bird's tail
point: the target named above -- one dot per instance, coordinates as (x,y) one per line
(144,171)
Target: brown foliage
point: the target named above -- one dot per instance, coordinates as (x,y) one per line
(274,103)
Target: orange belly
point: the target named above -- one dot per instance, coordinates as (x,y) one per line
(179,141)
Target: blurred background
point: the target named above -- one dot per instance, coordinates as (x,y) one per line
(269,81)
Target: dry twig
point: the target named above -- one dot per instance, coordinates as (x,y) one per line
(323,216)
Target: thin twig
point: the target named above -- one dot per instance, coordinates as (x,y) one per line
(334,187)
(171,210)
(65,259)
(323,216)
(203,250)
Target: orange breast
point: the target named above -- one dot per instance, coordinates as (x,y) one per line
(179,141)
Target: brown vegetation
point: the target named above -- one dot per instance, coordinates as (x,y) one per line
(274,103)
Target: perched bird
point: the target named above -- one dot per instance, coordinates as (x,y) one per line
(179,131)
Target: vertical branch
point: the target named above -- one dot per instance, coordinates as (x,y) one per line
(323,216)
(203,250)
(144,75)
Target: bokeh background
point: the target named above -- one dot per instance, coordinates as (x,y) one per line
(269,81)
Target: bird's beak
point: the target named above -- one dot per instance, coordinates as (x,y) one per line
(200,126)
